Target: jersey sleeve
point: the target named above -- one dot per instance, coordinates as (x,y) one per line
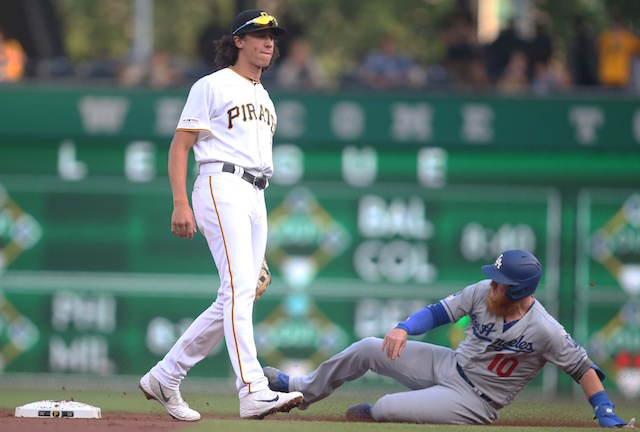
(198,109)
(566,353)
(459,304)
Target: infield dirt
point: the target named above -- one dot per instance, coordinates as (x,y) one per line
(120,422)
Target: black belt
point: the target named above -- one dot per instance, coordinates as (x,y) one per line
(258,181)
(475,389)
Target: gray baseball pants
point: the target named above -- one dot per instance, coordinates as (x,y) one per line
(438,394)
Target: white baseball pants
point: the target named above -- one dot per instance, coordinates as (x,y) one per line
(231,213)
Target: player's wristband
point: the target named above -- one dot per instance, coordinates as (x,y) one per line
(401,326)
(603,409)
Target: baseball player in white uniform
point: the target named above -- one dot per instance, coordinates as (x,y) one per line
(229,121)
(508,341)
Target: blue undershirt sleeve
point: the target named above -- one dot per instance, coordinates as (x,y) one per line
(424,320)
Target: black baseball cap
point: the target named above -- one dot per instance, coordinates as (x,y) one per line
(253,20)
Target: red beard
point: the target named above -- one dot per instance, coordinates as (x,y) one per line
(499,306)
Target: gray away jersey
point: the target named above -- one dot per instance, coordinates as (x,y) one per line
(500,363)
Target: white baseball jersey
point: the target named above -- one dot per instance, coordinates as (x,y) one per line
(235,120)
(501,362)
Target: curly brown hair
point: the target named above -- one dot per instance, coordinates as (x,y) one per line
(227,52)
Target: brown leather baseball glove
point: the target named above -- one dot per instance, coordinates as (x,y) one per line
(263,280)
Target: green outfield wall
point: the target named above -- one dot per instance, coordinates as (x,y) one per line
(381,204)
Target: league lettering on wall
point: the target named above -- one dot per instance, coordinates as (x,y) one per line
(377,119)
(379,206)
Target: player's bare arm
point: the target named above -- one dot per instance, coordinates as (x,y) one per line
(394,342)
(603,408)
(183,223)
(590,383)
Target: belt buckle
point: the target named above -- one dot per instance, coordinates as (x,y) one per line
(258,181)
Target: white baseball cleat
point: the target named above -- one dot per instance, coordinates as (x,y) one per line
(260,404)
(171,399)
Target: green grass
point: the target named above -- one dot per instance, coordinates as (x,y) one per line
(526,408)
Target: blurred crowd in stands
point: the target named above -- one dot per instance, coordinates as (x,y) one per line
(12,59)
(509,64)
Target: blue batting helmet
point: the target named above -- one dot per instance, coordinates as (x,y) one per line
(517,268)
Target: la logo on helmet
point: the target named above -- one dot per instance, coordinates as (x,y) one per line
(498,263)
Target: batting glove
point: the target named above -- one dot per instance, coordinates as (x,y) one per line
(603,409)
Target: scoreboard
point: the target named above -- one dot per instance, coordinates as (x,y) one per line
(380,205)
